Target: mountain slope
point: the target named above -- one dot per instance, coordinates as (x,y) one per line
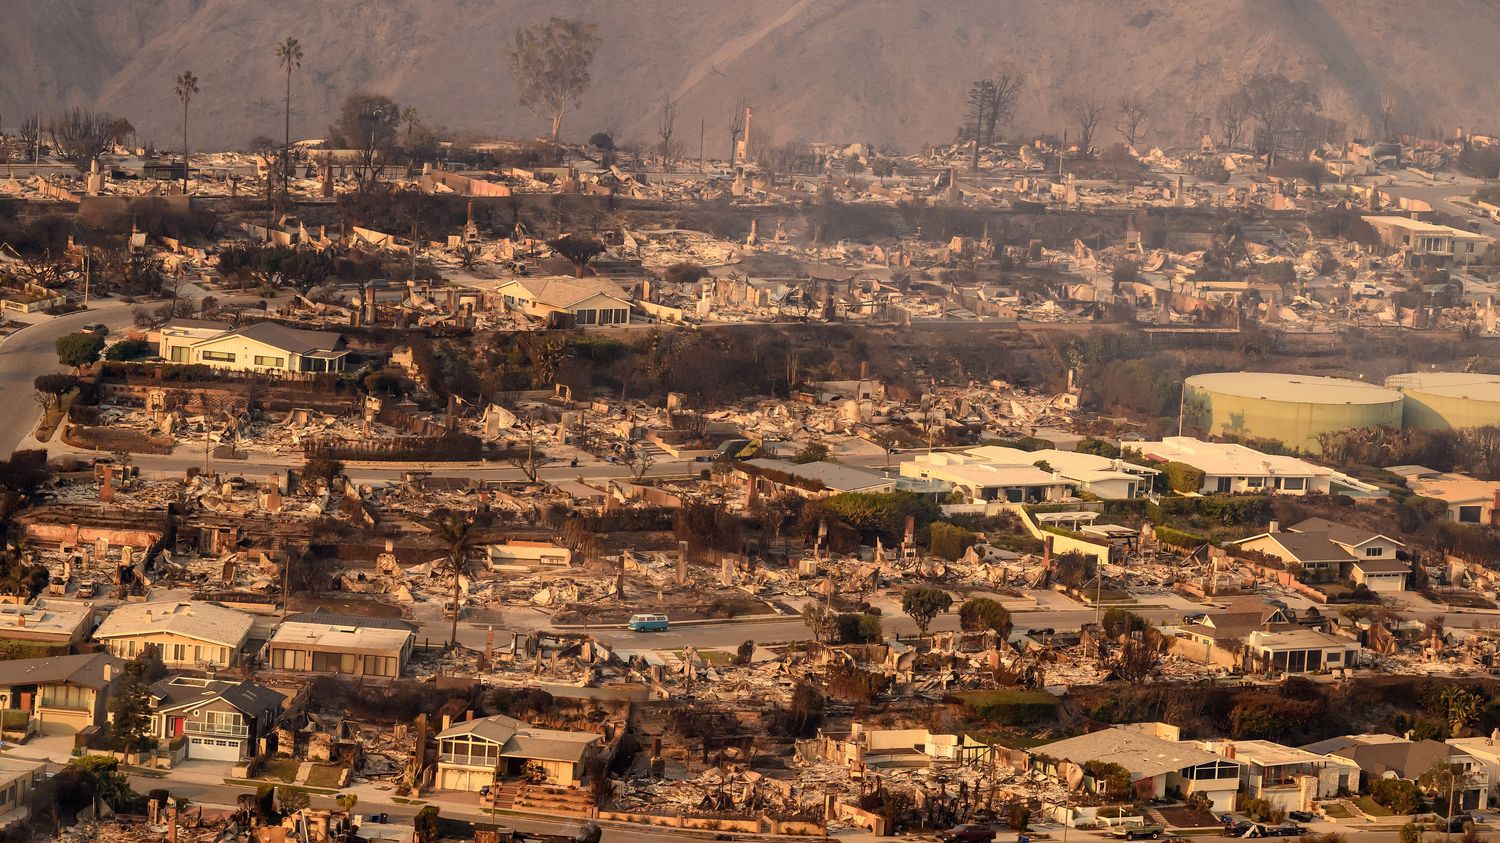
(887,71)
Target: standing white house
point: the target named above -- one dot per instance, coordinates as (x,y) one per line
(261,347)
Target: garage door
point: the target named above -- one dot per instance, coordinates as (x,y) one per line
(213,749)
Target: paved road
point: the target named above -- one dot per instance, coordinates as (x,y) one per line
(32,351)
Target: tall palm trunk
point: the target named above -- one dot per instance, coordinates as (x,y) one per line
(184,146)
(286,147)
(453,636)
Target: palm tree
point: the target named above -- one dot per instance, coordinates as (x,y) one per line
(455,529)
(187,85)
(289,54)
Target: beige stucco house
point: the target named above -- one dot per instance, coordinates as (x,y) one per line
(189,634)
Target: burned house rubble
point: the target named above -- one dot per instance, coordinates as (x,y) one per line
(1031,483)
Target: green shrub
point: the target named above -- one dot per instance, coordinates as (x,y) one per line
(984,613)
(1011,706)
(129,350)
(950,540)
(1180,538)
(856,628)
(1182,477)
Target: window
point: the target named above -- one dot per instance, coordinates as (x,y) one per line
(1255,482)
(1374,551)
(220,356)
(179,652)
(271,362)
(1470,514)
(1294,484)
(587,317)
(66,696)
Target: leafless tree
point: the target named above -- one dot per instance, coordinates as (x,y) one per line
(664,125)
(1134,117)
(981,94)
(1232,111)
(80,136)
(1086,114)
(1006,89)
(1388,104)
(736,128)
(638,460)
(528,457)
(1275,101)
(30,131)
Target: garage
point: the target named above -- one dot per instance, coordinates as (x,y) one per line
(213,749)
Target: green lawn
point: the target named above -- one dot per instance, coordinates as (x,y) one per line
(1373,808)
(324,775)
(1336,810)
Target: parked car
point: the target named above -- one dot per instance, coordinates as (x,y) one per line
(1454,824)
(1243,828)
(968,833)
(96,328)
(1301,816)
(1137,832)
(1285,830)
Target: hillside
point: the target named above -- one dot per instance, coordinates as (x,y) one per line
(886,71)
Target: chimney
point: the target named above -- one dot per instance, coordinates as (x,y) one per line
(468,715)
(1273,527)
(109,671)
(1229,751)
(447,721)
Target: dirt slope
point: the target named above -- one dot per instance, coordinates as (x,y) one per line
(887,71)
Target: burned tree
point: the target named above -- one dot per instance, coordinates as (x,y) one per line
(736,128)
(577,250)
(80,136)
(980,95)
(1005,89)
(1232,111)
(550,65)
(1134,117)
(1275,102)
(1086,114)
(665,122)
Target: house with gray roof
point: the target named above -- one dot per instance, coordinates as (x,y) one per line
(477,753)
(61,695)
(1158,760)
(214,719)
(258,347)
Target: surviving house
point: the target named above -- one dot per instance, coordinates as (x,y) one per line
(187,634)
(1228,467)
(321,642)
(1469,501)
(220,719)
(1327,550)
(18,776)
(259,347)
(1382,756)
(59,695)
(1427,244)
(48,622)
(813,479)
(1287,777)
(1099,476)
(1300,650)
(590,301)
(475,753)
(1159,763)
(979,480)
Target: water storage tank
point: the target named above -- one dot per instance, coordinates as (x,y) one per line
(1441,400)
(1291,409)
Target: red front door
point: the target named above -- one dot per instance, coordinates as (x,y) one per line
(177,726)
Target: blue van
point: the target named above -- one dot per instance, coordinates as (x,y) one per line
(648,623)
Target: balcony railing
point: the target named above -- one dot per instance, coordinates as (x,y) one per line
(217,730)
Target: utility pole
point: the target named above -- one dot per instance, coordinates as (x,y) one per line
(702,126)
